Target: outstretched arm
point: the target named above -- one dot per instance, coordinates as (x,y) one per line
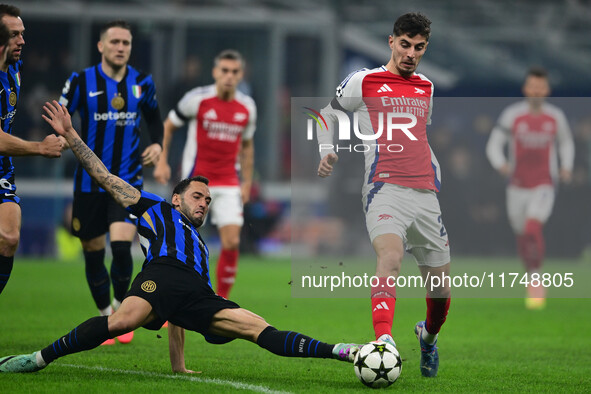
(10,145)
(59,118)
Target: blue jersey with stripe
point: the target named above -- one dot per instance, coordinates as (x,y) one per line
(11,86)
(110,112)
(164,231)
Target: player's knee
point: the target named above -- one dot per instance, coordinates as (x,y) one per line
(121,323)
(389,261)
(232,243)
(9,242)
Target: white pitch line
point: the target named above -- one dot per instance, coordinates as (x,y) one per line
(221,382)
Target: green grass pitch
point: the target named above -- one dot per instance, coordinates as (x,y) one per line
(486,344)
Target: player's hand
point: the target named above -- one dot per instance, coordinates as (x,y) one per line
(162,172)
(51,146)
(505,170)
(65,144)
(151,155)
(185,370)
(245,192)
(566,176)
(58,118)
(326,164)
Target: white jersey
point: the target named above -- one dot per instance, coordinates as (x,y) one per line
(215,131)
(400,154)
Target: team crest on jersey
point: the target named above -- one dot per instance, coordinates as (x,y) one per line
(148,286)
(118,102)
(76,224)
(239,116)
(137,91)
(12,99)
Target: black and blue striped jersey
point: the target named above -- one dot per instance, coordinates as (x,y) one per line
(110,115)
(165,232)
(10,91)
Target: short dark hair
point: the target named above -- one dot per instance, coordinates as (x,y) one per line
(7,9)
(228,54)
(4,35)
(184,184)
(412,24)
(117,23)
(537,71)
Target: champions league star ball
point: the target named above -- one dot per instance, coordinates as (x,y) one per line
(377,364)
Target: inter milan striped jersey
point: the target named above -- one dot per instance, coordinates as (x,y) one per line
(399,108)
(533,139)
(11,87)
(110,115)
(216,129)
(165,232)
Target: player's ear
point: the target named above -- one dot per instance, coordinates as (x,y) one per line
(176,200)
(391,39)
(99,45)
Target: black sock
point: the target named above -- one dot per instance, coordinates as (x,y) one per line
(98,278)
(121,268)
(6,264)
(293,344)
(86,336)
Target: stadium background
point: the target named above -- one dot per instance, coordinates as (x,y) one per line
(303,49)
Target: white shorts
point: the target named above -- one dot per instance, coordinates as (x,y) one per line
(412,214)
(529,203)
(226,206)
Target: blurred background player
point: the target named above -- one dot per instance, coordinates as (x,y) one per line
(109,97)
(11,45)
(399,192)
(533,129)
(222,122)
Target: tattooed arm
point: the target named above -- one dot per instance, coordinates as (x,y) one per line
(59,118)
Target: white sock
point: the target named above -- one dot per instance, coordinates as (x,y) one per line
(115,304)
(39,358)
(429,339)
(107,311)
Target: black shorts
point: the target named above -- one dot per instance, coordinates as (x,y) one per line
(180,295)
(9,196)
(93,213)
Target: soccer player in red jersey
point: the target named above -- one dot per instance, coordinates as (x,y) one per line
(536,132)
(402,177)
(221,127)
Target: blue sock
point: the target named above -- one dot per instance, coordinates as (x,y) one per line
(293,344)
(86,336)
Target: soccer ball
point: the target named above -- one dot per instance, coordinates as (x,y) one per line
(377,364)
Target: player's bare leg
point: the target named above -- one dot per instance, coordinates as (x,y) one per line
(10,225)
(244,324)
(227,265)
(389,250)
(122,235)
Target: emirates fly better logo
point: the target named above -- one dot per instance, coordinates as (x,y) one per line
(388,123)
